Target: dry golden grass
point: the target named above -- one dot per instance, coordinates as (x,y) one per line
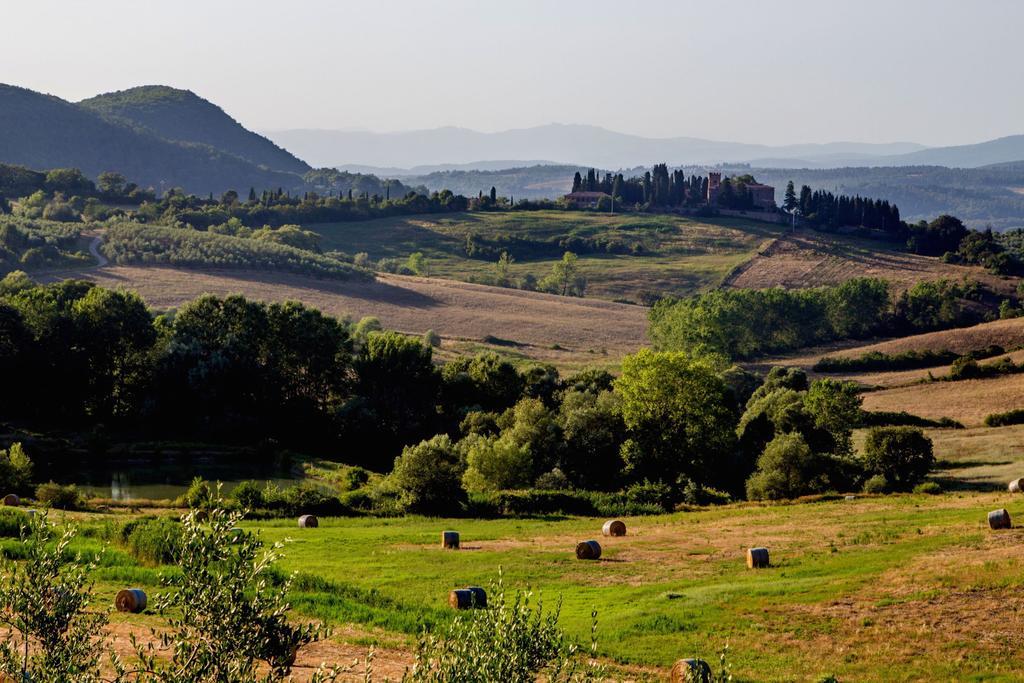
(981,458)
(968,401)
(457,311)
(810,259)
(1006,333)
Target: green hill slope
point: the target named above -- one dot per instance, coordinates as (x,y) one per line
(42,131)
(184,116)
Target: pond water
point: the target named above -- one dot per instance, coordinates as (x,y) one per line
(158,479)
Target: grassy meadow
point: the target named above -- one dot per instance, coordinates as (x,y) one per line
(871,589)
(680,255)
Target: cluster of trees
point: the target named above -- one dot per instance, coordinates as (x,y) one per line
(657,187)
(742,323)
(827,211)
(278,207)
(233,370)
(288,248)
(33,244)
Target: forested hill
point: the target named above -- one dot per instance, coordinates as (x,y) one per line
(42,131)
(184,116)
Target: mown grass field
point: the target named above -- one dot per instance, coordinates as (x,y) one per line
(873,589)
(680,255)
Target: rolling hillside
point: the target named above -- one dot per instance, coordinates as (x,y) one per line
(565,331)
(42,132)
(184,116)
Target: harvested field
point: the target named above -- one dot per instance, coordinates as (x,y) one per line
(979,458)
(810,259)
(967,401)
(586,330)
(1006,333)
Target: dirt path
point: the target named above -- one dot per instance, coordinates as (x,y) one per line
(94,249)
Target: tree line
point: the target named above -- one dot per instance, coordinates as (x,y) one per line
(676,425)
(742,323)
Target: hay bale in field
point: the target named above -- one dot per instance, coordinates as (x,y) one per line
(757,558)
(850,498)
(130,600)
(308,522)
(999,519)
(469,597)
(614,527)
(588,550)
(685,670)
(450,540)
(12,500)
(1016,486)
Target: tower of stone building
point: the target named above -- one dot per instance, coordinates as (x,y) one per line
(714,184)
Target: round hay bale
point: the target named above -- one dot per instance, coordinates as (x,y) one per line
(450,540)
(850,498)
(130,600)
(685,670)
(467,598)
(999,519)
(588,550)
(308,522)
(757,558)
(1016,486)
(12,500)
(614,527)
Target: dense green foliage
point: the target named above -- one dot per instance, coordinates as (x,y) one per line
(884,418)
(49,599)
(38,244)
(134,243)
(15,470)
(876,361)
(1010,417)
(902,455)
(510,641)
(744,323)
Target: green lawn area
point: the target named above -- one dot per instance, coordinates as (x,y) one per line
(850,586)
(676,255)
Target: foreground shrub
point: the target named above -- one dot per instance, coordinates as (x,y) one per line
(47,599)
(511,641)
(62,496)
(230,620)
(903,455)
(11,522)
(153,540)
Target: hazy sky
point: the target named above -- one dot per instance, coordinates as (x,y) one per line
(778,71)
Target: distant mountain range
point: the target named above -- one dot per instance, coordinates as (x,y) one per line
(570,144)
(154,135)
(406,153)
